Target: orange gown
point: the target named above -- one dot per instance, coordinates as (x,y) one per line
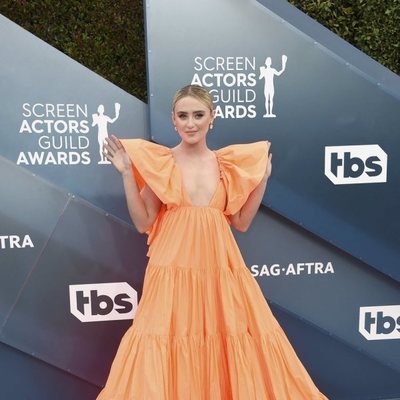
(203,329)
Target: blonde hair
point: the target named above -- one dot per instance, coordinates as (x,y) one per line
(196,91)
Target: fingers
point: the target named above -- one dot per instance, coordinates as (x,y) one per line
(107,155)
(118,142)
(107,150)
(112,143)
(270,163)
(268,152)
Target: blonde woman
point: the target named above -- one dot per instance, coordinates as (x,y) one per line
(202,330)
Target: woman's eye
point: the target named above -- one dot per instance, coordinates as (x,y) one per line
(199,115)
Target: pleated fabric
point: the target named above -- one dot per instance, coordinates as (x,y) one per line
(203,329)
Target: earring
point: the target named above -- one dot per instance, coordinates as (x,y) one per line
(175,128)
(211,126)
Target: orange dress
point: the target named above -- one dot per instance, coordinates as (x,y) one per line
(203,329)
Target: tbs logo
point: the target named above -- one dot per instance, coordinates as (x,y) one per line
(355,164)
(380,323)
(102,301)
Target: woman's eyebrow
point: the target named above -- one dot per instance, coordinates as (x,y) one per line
(185,112)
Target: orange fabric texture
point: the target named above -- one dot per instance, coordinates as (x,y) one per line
(203,329)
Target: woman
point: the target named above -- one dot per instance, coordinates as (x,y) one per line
(202,330)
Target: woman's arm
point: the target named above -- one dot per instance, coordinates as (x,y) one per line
(143,207)
(243,218)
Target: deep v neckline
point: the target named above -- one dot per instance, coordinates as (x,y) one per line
(185,192)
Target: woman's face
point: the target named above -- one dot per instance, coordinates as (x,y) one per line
(192,119)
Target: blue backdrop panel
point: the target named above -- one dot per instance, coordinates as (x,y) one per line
(27,378)
(50,118)
(54,111)
(354,374)
(317,282)
(366,66)
(29,211)
(86,247)
(320,99)
(335,146)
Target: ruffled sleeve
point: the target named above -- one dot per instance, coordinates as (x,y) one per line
(153,164)
(243,167)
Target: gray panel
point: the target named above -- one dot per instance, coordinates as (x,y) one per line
(355,375)
(326,295)
(357,59)
(87,247)
(66,98)
(321,99)
(64,95)
(29,211)
(26,378)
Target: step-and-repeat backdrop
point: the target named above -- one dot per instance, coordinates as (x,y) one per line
(323,247)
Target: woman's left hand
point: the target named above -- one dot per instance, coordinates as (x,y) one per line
(268,170)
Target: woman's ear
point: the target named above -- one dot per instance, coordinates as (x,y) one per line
(173,118)
(212,116)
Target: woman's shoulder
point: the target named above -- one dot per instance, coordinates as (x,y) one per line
(153,164)
(243,166)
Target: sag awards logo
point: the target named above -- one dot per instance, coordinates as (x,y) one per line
(65,134)
(103,301)
(233,82)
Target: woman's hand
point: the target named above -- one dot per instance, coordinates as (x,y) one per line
(268,170)
(115,152)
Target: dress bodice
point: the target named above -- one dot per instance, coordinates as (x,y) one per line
(242,167)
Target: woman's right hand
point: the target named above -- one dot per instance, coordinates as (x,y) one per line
(115,152)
